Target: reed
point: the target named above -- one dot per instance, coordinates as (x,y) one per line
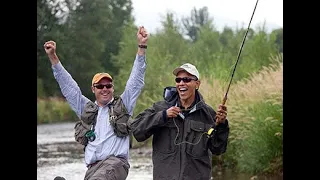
(255,116)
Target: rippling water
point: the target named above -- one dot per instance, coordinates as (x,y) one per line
(59,155)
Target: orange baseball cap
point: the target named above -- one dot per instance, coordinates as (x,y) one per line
(97,77)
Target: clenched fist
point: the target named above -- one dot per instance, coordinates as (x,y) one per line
(221,114)
(173,112)
(142,36)
(50,47)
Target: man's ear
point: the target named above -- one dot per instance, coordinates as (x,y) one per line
(92,89)
(198,84)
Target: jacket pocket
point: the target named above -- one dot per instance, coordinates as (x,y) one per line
(198,139)
(163,139)
(120,125)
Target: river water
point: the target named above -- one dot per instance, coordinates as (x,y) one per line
(59,155)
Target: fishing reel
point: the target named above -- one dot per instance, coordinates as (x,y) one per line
(211,132)
(90,135)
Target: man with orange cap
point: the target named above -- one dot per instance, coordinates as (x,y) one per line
(103,128)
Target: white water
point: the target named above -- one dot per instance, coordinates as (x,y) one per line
(56,145)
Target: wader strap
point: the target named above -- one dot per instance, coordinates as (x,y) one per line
(112,116)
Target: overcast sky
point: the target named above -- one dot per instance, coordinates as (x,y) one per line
(225,12)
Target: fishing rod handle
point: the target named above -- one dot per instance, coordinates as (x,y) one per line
(224,100)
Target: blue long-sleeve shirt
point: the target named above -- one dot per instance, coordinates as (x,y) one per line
(106,142)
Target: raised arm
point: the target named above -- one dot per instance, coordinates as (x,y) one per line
(67,84)
(135,82)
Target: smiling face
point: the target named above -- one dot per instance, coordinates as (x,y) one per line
(186,85)
(104,95)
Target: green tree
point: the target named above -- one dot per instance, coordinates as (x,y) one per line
(48,22)
(87,36)
(195,21)
(279,38)
(225,36)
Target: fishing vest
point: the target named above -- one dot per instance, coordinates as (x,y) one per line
(119,119)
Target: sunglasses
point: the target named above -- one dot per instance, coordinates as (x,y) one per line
(184,79)
(101,86)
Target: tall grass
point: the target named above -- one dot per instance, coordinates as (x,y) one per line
(54,109)
(255,115)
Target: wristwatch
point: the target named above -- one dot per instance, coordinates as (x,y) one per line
(143,46)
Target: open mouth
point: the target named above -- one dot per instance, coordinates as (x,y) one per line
(183,90)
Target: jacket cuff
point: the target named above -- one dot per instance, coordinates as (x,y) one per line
(223,125)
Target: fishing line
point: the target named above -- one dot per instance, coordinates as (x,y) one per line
(226,94)
(235,66)
(175,139)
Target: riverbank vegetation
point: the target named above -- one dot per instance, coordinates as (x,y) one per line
(255,97)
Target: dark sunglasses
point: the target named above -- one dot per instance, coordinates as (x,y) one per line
(101,86)
(184,79)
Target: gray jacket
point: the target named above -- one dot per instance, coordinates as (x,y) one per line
(181,147)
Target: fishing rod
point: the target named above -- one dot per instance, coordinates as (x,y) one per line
(234,69)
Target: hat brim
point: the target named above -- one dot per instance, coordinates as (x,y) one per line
(99,79)
(177,70)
